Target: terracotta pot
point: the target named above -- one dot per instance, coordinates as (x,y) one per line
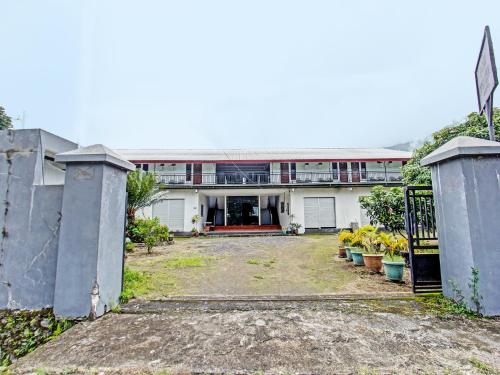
(342,252)
(373,262)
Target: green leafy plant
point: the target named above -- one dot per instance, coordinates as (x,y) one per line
(386,207)
(148,231)
(345,237)
(142,191)
(129,247)
(474,125)
(5,120)
(23,331)
(195,219)
(474,287)
(392,245)
(294,227)
(371,242)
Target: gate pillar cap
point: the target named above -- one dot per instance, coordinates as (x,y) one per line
(95,154)
(461,146)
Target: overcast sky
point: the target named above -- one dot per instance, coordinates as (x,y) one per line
(205,74)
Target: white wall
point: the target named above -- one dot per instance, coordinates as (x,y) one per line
(52,175)
(347,208)
(191,206)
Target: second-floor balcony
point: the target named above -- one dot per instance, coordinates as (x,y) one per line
(263,178)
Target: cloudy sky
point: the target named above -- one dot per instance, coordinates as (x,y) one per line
(204,74)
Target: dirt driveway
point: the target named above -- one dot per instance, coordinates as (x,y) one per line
(302,265)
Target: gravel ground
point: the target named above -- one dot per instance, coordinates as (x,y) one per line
(255,266)
(274,337)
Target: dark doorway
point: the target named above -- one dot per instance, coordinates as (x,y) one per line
(197,174)
(355,172)
(285,173)
(242,210)
(344,176)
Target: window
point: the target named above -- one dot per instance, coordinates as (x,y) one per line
(188,174)
(293,168)
(202,210)
(282,207)
(145,167)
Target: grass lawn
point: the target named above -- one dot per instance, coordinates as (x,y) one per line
(291,265)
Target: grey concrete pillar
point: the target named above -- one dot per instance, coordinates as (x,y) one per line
(466,185)
(89,263)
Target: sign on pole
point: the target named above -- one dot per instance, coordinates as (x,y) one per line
(486,79)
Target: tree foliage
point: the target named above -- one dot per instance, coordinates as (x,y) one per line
(385,207)
(5,120)
(475,125)
(143,191)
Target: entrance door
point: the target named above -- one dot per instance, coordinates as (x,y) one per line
(355,172)
(344,176)
(285,173)
(171,213)
(197,174)
(243,211)
(319,213)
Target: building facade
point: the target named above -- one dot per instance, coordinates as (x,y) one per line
(266,189)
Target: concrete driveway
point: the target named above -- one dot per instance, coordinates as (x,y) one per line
(282,337)
(301,265)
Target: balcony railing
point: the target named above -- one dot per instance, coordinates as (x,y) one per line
(260,178)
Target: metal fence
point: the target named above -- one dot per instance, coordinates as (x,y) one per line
(420,219)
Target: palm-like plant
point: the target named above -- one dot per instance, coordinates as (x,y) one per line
(371,242)
(143,191)
(393,245)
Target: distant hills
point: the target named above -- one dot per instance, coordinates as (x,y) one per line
(406,146)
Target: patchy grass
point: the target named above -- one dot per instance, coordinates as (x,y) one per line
(265,263)
(195,261)
(440,305)
(483,368)
(290,265)
(135,283)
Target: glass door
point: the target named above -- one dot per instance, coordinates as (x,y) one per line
(243,211)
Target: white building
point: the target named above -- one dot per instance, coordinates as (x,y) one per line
(267,189)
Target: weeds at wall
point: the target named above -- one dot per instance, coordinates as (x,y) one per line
(22,331)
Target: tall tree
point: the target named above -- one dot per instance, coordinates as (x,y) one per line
(475,125)
(143,191)
(5,120)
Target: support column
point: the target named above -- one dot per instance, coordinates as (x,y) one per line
(89,263)
(258,197)
(467,197)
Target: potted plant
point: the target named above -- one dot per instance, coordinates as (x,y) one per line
(344,238)
(355,248)
(294,228)
(393,267)
(195,232)
(284,230)
(372,257)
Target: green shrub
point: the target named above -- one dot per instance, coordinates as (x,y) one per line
(148,231)
(129,247)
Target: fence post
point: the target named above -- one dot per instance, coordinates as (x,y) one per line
(89,263)
(467,196)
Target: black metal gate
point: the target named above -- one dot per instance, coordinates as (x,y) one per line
(422,233)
